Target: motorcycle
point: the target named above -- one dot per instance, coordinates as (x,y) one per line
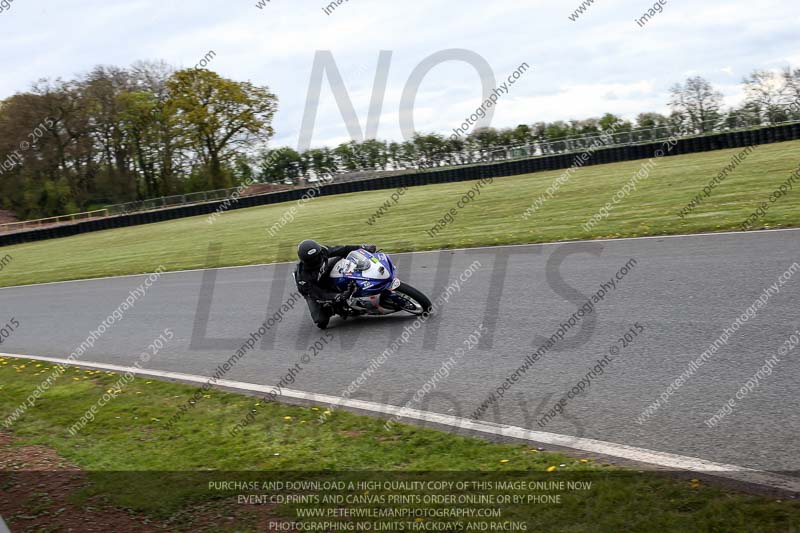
(374,286)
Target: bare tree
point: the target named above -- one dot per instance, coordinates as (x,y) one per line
(697,102)
(766,95)
(792,81)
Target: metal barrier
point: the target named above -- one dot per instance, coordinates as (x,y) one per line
(50,221)
(556,147)
(170,201)
(142,206)
(465,173)
(574,144)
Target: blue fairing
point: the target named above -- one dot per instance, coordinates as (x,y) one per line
(368,286)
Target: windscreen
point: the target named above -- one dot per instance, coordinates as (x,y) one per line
(361,261)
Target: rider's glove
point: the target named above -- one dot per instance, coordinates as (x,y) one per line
(371,248)
(343,297)
(351,290)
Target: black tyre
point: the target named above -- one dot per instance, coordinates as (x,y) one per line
(417,302)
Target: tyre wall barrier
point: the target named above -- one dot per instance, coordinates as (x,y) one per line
(720,141)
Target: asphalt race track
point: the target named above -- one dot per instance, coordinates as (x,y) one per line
(683,292)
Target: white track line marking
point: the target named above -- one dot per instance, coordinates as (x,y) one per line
(641,455)
(555,243)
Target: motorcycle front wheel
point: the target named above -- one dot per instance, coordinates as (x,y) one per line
(407,298)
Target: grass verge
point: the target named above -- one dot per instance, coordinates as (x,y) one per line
(161,477)
(494,218)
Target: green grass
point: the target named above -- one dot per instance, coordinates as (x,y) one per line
(128,435)
(494,219)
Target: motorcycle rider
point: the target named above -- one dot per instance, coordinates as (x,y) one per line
(312,276)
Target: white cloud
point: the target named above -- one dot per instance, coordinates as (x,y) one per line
(601,63)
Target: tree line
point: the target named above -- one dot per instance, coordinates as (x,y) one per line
(124,134)
(116,135)
(695,106)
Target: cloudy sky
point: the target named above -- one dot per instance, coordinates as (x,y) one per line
(603,62)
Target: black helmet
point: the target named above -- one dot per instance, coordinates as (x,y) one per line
(311,253)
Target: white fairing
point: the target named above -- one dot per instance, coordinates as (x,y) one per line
(371,305)
(345,266)
(342,267)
